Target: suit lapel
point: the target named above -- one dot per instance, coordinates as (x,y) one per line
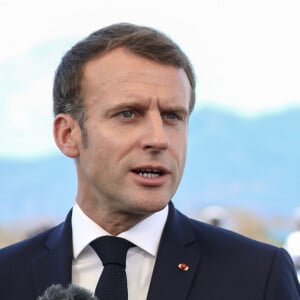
(54,264)
(177,246)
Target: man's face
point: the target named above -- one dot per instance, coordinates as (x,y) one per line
(137,116)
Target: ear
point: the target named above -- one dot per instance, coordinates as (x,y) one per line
(67,135)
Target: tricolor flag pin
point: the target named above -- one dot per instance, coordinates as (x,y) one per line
(183,267)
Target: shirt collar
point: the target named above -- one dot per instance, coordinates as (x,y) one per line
(146,234)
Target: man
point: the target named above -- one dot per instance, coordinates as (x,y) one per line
(122,100)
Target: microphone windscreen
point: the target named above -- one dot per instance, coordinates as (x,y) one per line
(71,292)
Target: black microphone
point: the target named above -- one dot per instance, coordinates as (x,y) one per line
(71,292)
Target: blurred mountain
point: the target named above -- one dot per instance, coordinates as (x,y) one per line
(232,161)
(247,162)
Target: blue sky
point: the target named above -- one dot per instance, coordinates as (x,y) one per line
(245,54)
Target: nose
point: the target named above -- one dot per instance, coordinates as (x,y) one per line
(155,137)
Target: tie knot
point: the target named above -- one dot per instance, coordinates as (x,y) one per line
(111,249)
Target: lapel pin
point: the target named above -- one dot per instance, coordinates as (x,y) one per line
(183,267)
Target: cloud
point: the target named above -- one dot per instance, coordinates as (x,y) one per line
(26,126)
(245,54)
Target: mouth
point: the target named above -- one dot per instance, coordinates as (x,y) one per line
(149,172)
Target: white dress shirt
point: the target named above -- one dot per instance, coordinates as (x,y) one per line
(87,266)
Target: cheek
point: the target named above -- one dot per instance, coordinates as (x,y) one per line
(180,144)
(112,147)
(179,151)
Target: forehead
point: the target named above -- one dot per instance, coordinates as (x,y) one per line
(121,69)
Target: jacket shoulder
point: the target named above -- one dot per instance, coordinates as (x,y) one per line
(25,248)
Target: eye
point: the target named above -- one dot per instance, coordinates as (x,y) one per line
(170,115)
(127,114)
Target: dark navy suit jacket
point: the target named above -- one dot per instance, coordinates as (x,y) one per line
(222,265)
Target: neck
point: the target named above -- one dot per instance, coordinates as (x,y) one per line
(114,222)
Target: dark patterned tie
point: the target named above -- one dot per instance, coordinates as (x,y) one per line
(112,251)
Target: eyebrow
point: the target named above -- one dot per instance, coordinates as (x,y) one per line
(129,104)
(177,108)
(133,101)
(135,105)
(140,106)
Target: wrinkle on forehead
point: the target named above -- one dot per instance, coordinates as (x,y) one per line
(132,74)
(155,79)
(134,78)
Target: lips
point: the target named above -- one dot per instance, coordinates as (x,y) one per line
(150,172)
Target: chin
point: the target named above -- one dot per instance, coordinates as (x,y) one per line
(150,207)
